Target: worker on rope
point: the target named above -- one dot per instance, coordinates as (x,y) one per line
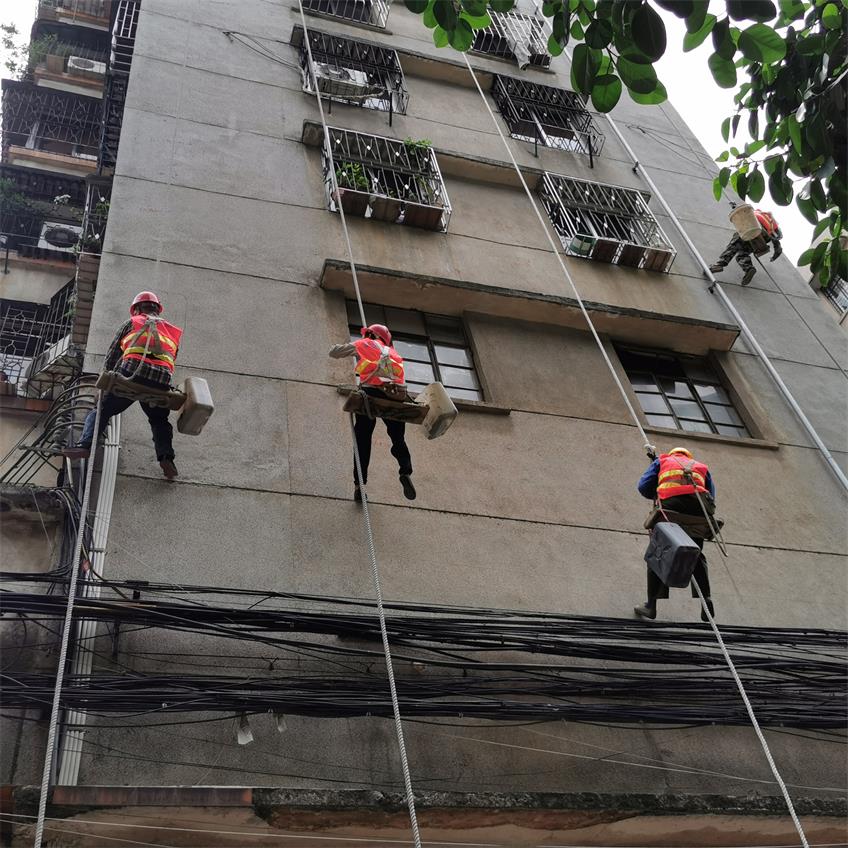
(680,484)
(379,373)
(144,350)
(742,250)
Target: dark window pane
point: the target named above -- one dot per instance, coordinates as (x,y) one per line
(678,388)
(724,415)
(412,350)
(695,426)
(441,328)
(687,408)
(464,394)
(404,321)
(418,372)
(652,403)
(699,370)
(373,314)
(450,355)
(712,394)
(661,421)
(462,378)
(726,430)
(643,382)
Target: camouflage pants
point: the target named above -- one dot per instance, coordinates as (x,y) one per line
(741,250)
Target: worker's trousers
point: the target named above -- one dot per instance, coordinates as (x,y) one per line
(363,428)
(160,426)
(739,249)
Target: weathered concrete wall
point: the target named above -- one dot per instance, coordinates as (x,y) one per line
(219,207)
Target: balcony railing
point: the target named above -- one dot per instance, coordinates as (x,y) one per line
(517,36)
(545,115)
(606,223)
(36,346)
(837,293)
(96,216)
(353,72)
(77,11)
(45,120)
(385,179)
(123,36)
(372,12)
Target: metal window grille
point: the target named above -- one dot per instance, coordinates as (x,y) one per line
(38,118)
(386,180)
(36,347)
(545,115)
(373,12)
(114,97)
(123,36)
(90,8)
(517,36)
(837,293)
(96,216)
(354,72)
(606,223)
(434,348)
(681,393)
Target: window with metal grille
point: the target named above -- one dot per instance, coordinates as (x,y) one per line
(386,180)
(681,392)
(545,115)
(434,348)
(606,223)
(517,36)
(353,72)
(373,12)
(837,293)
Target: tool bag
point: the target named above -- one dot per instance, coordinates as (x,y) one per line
(672,555)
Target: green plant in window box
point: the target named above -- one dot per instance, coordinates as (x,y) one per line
(352,193)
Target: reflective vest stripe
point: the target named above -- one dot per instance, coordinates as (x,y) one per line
(377,363)
(680,476)
(151,340)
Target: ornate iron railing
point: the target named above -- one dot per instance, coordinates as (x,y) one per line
(373,12)
(545,115)
(515,35)
(123,36)
(606,223)
(386,179)
(353,72)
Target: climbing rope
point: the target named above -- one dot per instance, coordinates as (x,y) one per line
(369,535)
(66,633)
(648,447)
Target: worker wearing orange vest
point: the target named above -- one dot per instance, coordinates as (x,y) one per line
(680,484)
(144,350)
(741,249)
(379,367)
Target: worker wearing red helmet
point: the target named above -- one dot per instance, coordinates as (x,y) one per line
(379,367)
(680,484)
(144,350)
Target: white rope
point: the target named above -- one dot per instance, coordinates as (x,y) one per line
(754,722)
(646,443)
(66,633)
(727,658)
(372,553)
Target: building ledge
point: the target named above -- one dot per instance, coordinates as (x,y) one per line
(766,444)
(11,404)
(455,297)
(30,504)
(61,162)
(86,86)
(481,406)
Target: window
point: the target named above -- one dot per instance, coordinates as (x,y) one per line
(545,115)
(373,12)
(386,180)
(837,293)
(681,393)
(353,72)
(433,347)
(513,35)
(606,223)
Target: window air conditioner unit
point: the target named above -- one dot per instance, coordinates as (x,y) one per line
(86,67)
(59,237)
(344,82)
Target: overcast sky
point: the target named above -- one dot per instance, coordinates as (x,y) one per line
(690,89)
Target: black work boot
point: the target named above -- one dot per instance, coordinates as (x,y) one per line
(168,468)
(715,268)
(749,275)
(357,494)
(408,488)
(710,607)
(647,610)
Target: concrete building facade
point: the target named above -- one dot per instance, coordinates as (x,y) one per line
(221,204)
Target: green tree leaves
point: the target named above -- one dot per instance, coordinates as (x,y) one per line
(648,32)
(760,43)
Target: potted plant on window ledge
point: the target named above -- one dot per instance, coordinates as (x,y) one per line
(426,209)
(352,193)
(387,200)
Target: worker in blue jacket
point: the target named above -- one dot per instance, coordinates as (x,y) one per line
(680,484)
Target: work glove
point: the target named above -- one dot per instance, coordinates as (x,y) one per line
(777,250)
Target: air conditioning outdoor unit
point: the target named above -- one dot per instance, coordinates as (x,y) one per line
(344,82)
(59,237)
(86,67)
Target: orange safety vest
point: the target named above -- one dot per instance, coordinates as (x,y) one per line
(377,363)
(767,222)
(160,339)
(673,478)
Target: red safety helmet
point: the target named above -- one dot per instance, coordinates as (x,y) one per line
(145,297)
(381,331)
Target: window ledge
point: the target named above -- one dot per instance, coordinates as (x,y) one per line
(480,406)
(714,437)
